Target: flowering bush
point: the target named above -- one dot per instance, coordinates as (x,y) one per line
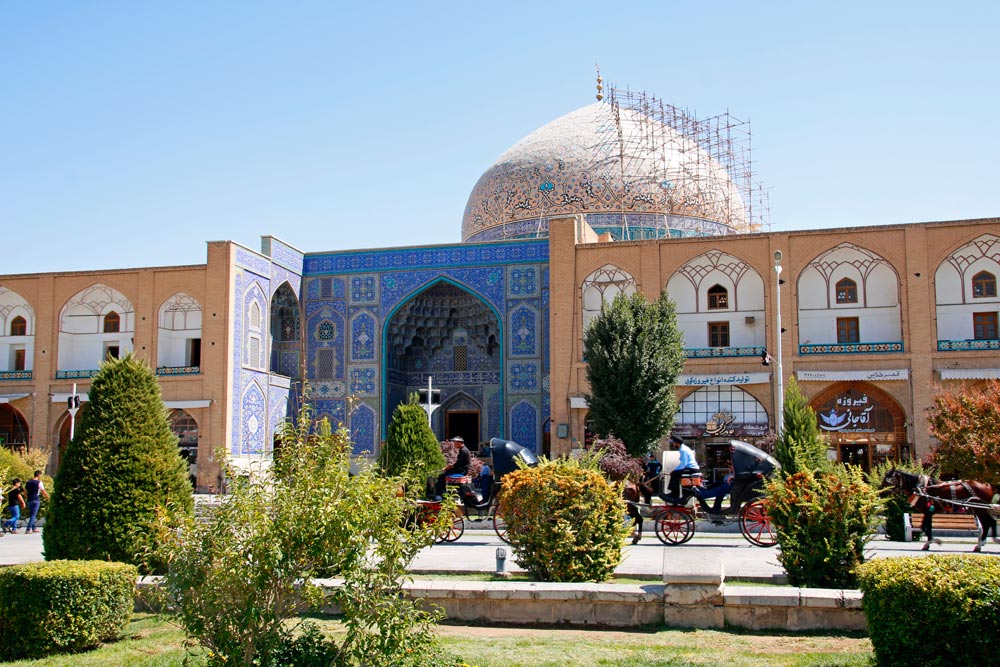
(565,521)
(614,460)
(823,522)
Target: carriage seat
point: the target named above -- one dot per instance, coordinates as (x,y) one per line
(457,480)
(691,479)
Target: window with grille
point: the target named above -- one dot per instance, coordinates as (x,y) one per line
(718,334)
(847,291)
(254,354)
(984,326)
(848,330)
(112,322)
(18,326)
(255,316)
(18,359)
(326,288)
(984,284)
(461,357)
(718,298)
(324,363)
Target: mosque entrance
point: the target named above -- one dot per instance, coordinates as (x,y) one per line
(464,423)
(449,333)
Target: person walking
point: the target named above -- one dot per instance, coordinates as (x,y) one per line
(34,489)
(14,504)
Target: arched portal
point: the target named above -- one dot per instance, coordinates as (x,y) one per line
(286,346)
(449,333)
(184,426)
(13,428)
(863,423)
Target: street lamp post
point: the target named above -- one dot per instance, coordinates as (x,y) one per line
(73,406)
(780,403)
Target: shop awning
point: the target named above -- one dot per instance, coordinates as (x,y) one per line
(181,405)
(7,398)
(969,373)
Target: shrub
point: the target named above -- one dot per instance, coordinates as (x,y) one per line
(410,450)
(121,466)
(823,522)
(614,461)
(936,611)
(565,521)
(63,606)
(240,580)
(966,423)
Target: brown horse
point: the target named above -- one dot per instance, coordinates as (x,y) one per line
(635,492)
(924,490)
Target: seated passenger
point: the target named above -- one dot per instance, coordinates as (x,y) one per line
(718,491)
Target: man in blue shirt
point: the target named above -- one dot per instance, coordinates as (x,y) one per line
(687,464)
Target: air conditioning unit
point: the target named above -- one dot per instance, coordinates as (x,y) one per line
(750,319)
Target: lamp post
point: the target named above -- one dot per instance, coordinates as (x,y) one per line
(73,406)
(780,403)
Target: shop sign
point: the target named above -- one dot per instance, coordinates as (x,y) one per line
(723,423)
(863,376)
(849,414)
(723,379)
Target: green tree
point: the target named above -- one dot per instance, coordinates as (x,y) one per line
(634,356)
(240,581)
(121,467)
(801,445)
(967,426)
(410,450)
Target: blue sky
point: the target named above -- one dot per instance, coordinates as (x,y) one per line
(132,133)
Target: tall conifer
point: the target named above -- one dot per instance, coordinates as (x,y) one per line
(801,445)
(411,450)
(121,467)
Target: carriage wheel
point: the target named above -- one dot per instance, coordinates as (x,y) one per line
(500,526)
(454,530)
(674,526)
(755,524)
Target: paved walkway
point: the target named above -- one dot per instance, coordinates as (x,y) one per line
(476,552)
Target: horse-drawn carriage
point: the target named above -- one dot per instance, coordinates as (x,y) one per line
(505,456)
(674,521)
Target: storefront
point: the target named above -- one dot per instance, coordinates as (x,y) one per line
(863,424)
(719,411)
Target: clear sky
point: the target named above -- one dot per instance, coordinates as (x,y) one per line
(133,132)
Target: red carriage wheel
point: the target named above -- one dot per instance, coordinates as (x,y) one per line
(500,526)
(755,524)
(454,530)
(674,525)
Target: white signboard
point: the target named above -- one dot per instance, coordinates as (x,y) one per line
(725,379)
(866,376)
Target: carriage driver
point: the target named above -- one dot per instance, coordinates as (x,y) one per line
(459,468)
(687,464)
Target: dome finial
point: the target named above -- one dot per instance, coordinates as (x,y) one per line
(600,88)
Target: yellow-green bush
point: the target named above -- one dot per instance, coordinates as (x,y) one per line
(565,522)
(937,611)
(823,521)
(63,606)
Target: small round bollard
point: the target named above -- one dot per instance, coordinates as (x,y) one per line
(501,562)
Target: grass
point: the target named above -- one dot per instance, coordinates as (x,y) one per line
(152,642)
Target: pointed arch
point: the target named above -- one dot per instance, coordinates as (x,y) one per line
(601,287)
(13,306)
(254,348)
(286,332)
(94,323)
(178,336)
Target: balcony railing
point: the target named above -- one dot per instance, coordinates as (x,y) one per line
(15,375)
(852,348)
(713,352)
(968,345)
(178,370)
(76,375)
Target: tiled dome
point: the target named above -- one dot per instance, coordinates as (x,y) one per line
(636,177)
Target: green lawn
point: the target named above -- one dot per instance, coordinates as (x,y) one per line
(155,643)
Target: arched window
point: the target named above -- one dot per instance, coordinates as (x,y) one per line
(718,298)
(112,322)
(255,316)
(847,291)
(18,326)
(984,284)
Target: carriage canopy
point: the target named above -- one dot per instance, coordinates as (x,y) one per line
(749,460)
(505,455)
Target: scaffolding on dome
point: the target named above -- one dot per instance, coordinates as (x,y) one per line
(707,145)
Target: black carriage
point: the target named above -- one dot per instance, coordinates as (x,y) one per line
(505,456)
(674,523)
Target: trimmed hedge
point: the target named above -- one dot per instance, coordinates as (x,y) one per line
(63,606)
(936,611)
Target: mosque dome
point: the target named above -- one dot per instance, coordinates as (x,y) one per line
(628,172)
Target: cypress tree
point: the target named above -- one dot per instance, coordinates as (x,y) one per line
(411,450)
(120,469)
(801,446)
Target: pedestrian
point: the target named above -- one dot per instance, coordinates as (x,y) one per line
(687,464)
(14,504)
(652,469)
(34,489)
